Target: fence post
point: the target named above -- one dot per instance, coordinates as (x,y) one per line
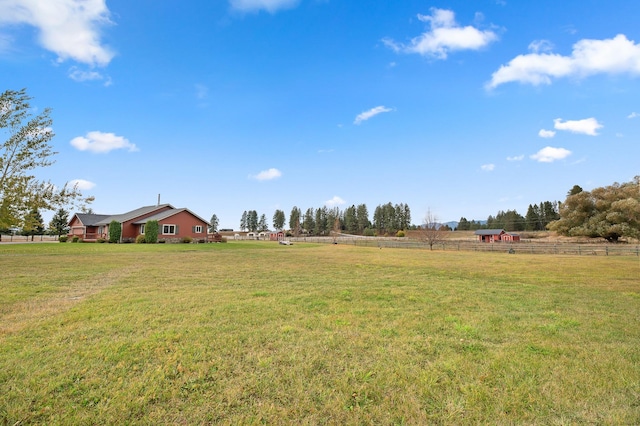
(606,250)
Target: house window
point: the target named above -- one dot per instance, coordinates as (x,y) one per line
(142,229)
(197,229)
(169,229)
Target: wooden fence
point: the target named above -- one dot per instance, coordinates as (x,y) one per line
(504,247)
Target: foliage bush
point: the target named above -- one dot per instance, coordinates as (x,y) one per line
(400,234)
(151,231)
(368,232)
(187,239)
(75,239)
(63,238)
(101,240)
(115,231)
(141,239)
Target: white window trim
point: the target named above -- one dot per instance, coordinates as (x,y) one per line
(168,233)
(142,229)
(198,229)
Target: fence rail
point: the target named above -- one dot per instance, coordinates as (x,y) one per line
(504,247)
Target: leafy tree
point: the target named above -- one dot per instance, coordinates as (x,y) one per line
(33,224)
(610,212)
(151,231)
(243,221)
(25,149)
(59,224)
(115,231)
(278,220)
(213,224)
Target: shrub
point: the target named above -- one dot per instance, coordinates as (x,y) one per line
(115,231)
(141,239)
(101,240)
(187,239)
(75,239)
(400,234)
(368,232)
(151,231)
(63,238)
(223,240)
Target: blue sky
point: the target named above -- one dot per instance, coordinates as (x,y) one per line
(221,106)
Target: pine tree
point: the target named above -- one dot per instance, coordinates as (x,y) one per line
(33,224)
(59,224)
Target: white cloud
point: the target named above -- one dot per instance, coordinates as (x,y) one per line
(550,154)
(335,201)
(100,142)
(547,134)
(443,37)
(488,167)
(69,28)
(516,158)
(6,41)
(79,75)
(587,126)
(364,116)
(269,174)
(202,91)
(633,115)
(82,184)
(610,56)
(540,46)
(270,6)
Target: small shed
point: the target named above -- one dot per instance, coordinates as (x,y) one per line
(276,236)
(496,235)
(511,238)
(490,235)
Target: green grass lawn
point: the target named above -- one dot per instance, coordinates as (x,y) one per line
(255,333)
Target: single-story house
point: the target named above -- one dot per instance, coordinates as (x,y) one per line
(174,224)
(496,235)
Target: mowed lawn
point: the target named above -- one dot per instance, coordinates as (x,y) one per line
(258,333)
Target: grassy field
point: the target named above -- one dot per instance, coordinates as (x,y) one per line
(257,333)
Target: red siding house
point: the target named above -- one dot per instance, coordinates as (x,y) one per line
(175,224)
(496,235)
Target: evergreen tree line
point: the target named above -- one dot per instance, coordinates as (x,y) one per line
(387,219)
(537,218)
(33,224)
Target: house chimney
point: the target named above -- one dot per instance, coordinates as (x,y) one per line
(158,199)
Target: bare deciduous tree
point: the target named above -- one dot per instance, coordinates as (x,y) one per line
(431,232)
